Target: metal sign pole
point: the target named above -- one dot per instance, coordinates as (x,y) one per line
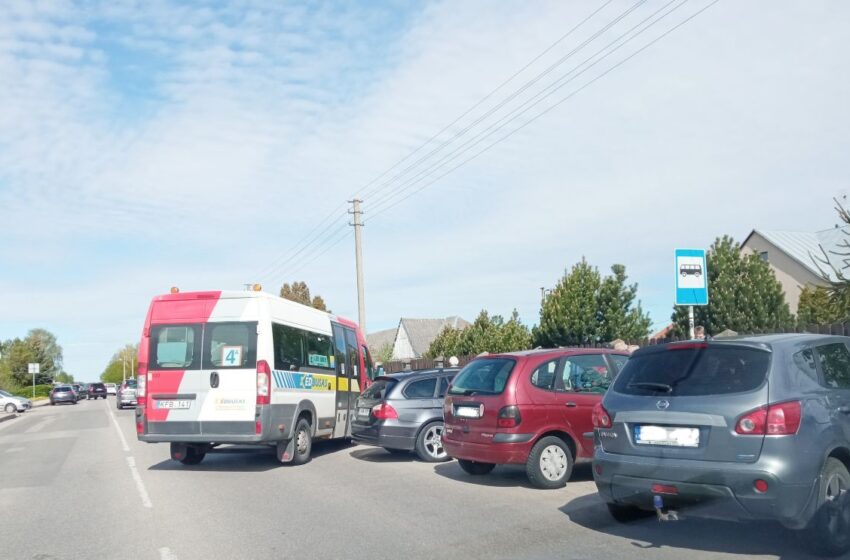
(691,321)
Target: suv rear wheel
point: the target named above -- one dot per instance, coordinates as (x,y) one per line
(550,463)
(829,530)
(475,469)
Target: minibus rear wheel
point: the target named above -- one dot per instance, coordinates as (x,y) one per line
(303,442)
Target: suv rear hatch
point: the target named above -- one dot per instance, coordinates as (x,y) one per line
(476,396)
(684,401)
(375,395)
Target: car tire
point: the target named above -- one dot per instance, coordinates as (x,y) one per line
(119,406)
(187,454)
(52,403)
(828,532)
(550,463)
(10,408)
(623,513)
(429,443)
(303,435)
(475,468)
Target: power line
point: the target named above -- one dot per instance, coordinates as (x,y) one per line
(278,263)
(547,110)
(530,103)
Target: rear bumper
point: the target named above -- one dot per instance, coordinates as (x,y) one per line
(705,488)
(67,398)
(389,437)
(496,453)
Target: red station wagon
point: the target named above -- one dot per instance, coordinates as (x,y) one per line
(530,408)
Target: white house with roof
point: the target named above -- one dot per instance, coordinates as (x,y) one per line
(795,257)
(412,338)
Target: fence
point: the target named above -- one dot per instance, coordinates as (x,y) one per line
(837,329)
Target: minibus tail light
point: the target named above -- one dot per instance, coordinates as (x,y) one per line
(264,374)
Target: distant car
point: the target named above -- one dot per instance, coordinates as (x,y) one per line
(528,408)
(111,388)
(63,393)
(750,428)
(404,412)
(79,390)
(126,394)
(96,390)
(10,403)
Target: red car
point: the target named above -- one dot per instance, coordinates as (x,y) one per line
(529,408)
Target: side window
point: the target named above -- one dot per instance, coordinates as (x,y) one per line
(370,368)
(288,348)
(444,387)
(423,389)
(353,355)
(340,350)
(805,362)
(319,350)
(587,373)
(835,364)
(175,347)
(618,360)
(544,376)
(231,345)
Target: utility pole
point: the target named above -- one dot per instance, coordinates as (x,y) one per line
(358,251)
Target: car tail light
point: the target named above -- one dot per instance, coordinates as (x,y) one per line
(664,489)
(781,419)
(760,486)
(687,346)
(141,384)
(258,427)
(600,416)
(509,417)
(384,411)
(264,374)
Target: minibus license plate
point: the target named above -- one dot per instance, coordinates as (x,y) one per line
(468,412)
(672,436)
(174,404)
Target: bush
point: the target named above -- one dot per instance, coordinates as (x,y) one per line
(41,391)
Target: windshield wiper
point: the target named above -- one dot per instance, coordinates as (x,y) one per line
(663,387)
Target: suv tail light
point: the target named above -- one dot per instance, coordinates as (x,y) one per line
(141,384)
(264,374)
(509,417)
(600,416)
(781,419)
(384,411)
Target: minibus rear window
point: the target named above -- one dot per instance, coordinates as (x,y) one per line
(230,345)
(175,347)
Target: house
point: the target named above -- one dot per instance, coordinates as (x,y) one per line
(796,256)
(412,338)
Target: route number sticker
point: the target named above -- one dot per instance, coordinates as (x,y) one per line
(231,356)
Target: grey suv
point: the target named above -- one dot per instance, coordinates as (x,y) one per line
(751,428)
(404,412)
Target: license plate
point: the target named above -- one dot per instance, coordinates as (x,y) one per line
(667,435)
(364,412)
(468,412)
(173,404)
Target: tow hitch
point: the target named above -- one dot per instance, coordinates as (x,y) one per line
(663,513)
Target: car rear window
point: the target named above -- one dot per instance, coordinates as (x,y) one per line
(379,389)
(486,376)
(694,371)
(98,386)
(64,388)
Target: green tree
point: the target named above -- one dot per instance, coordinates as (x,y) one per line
(39,346)
(486,334)
(300,293)
(123,365)
(585,308)
(744,294)
(817,307)
(835,276)
(446,344)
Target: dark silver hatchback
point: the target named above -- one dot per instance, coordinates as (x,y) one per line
(404,412)
(754,428)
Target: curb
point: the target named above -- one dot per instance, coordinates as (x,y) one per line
(41,403)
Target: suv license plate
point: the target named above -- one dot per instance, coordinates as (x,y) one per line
(173,404)
(364,412)
(672,436)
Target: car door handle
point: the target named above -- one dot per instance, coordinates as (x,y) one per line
(571,404)
(844,409)
(214,379)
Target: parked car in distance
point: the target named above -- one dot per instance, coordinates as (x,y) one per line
(111,388)
(126,394)
(79,391)
(750,428)
(530,408)
(10,403)
(63,393)
(96,390)
(404,412)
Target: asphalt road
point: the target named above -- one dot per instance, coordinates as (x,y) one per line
(75,483)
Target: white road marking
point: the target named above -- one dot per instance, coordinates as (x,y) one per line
(124,445)
(140,486)
(40,424)
(166,554)
(14,449)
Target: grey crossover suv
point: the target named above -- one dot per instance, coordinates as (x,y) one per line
(404,412)
(751,428)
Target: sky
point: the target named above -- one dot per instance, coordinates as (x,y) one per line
(206,145)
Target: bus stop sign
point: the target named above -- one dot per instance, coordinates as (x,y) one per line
(691,277)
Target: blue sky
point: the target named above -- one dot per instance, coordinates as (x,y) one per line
(151,144)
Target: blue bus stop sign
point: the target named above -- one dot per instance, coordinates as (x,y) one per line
(691,277)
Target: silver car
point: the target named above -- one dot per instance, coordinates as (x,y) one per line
(10,403)
(752,428)
(126,394)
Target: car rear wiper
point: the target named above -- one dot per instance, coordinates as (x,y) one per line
(664,387)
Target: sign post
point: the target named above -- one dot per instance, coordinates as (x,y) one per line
(33,369)
(691,281)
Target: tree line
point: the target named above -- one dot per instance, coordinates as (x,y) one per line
(39,346)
